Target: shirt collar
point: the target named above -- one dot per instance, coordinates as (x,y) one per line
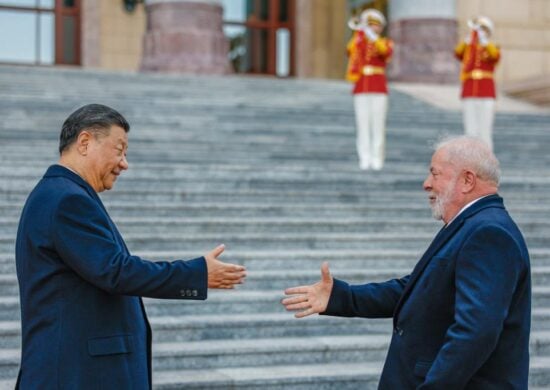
(465,207)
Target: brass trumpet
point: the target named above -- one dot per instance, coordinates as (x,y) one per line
(472,24)
(355,24)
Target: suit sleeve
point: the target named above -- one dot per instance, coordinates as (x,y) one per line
(372,300)
(487,272)
(86,243)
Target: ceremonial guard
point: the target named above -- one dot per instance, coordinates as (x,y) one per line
(479,56)
(368,54)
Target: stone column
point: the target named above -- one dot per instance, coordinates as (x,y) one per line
(424,33)
(185,36)
(90,39)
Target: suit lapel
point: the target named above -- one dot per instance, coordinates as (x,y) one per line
(440,239)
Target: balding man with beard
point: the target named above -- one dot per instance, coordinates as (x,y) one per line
(461,319)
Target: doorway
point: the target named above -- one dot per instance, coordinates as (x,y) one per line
(261,36)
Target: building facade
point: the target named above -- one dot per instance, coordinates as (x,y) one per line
(284,38)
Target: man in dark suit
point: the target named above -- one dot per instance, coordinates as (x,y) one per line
(461,319)
(83,321)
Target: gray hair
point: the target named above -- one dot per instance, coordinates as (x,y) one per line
(467,152)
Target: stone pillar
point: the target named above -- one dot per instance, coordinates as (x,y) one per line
(321,32)
(90,41)
(185,36)
(425,34)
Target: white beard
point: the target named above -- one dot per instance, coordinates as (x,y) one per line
(440,204)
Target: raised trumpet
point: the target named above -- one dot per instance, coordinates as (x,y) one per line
(355,24)
(472,24)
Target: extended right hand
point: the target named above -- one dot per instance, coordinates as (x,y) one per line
(220,274)
(311,299)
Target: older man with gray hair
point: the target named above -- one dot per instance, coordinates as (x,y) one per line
(461,319)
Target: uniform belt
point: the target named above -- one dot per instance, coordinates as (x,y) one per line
(478,74)
(370,70)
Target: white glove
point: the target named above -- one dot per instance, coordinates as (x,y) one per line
(370,34)
(483,39)
(468,39)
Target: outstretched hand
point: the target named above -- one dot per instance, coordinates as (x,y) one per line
(313,299)
(220,274)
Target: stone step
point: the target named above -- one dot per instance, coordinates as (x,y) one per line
(224,324)
(175,241)
(325,156)
(237,120)
(267,353)
(283,137)
(283,196)
(300,259)
(304,259)
(254,352)
(301,377)
(348,376)
(273,225)
(251,212)
(539,372)
(248,112)
(263,287)
(261,138)
(308,262)
(120,211)
(415,242)
(276,225)
(256,296)
(297,183)
(264,161)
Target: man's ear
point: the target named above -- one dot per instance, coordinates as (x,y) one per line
(83,142)
(468,181)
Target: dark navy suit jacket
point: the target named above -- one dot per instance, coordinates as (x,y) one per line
(83,321)
(462,318)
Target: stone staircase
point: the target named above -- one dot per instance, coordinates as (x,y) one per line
(534,89)
(267,167)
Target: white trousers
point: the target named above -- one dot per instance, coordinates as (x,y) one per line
(478,115)
(370,118)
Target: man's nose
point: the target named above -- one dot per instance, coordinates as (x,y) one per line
(427,185)
(124,163)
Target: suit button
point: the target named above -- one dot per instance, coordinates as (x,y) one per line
(188,293)
(195,293)
(182,293)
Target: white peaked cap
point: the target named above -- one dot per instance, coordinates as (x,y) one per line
(372,13)
(486,22)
